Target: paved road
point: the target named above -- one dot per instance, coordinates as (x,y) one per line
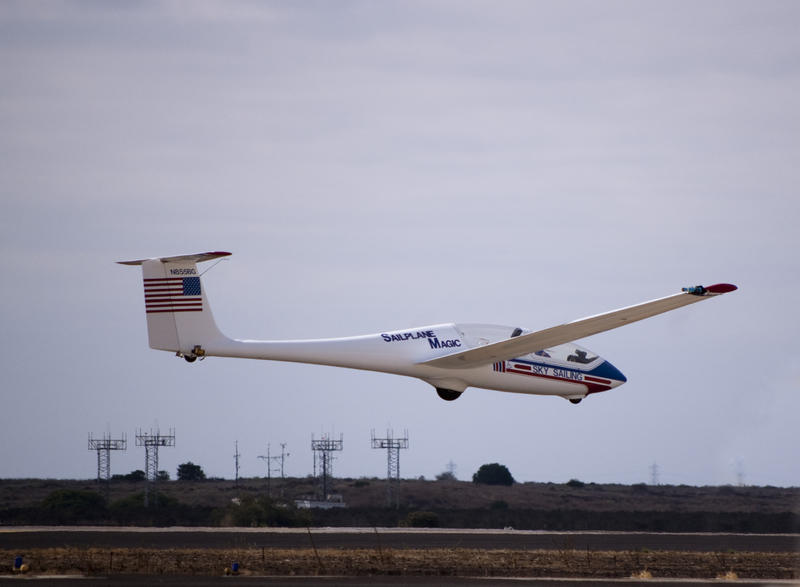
(14,538)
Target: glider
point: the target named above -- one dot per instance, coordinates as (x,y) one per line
(450,357)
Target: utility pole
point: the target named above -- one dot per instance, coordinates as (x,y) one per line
(284,454)
(236,456)
(274,467)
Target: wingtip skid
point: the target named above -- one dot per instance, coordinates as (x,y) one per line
(716,289)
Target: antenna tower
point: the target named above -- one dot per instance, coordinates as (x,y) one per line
(151,443)
(236,456)
(740,472)
(272,466)
(392,446)
(104,446)
(654,474)
(323,451)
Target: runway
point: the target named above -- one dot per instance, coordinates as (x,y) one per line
(349,538)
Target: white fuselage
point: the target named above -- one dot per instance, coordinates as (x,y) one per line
(402,352)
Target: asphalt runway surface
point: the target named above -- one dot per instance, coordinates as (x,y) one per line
(19,538)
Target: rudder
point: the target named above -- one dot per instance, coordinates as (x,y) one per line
(179,318)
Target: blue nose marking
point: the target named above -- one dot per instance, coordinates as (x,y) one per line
(609,371)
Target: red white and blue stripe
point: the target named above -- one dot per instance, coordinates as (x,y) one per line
(591,379)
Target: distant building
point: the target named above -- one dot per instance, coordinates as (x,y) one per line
(332,501)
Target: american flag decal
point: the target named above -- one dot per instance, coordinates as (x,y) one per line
(173,294)
(500,367)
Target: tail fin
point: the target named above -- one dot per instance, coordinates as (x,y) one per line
(179,318)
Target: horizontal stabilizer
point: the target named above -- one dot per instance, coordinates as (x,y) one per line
(195,258)
(550,337)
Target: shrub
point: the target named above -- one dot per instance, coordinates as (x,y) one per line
(69,505)
(263,511)
(190,472)
(493,474)
(137,475)
(163,510)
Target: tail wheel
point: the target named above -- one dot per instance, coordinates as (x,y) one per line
(575,400)
(448,394)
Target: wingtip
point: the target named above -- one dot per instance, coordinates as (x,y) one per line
(721,288)
(710,290)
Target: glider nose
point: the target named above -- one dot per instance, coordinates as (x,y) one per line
(614,374)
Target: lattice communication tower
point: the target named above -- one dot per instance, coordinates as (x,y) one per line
(151,442)
(104,446)
(393,446)
(654,474)
(323,452)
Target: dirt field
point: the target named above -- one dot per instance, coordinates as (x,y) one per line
(407,562)
(391,552)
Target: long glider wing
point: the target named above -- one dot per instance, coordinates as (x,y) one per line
(550,337)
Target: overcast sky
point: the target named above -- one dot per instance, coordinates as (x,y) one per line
(383,165)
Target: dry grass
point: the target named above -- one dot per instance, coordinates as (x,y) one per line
(436,562)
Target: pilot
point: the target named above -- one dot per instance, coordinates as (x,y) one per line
(580,357)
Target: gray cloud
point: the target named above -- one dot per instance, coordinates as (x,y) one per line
(382,165)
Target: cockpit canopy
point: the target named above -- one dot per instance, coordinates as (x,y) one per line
(570,354)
